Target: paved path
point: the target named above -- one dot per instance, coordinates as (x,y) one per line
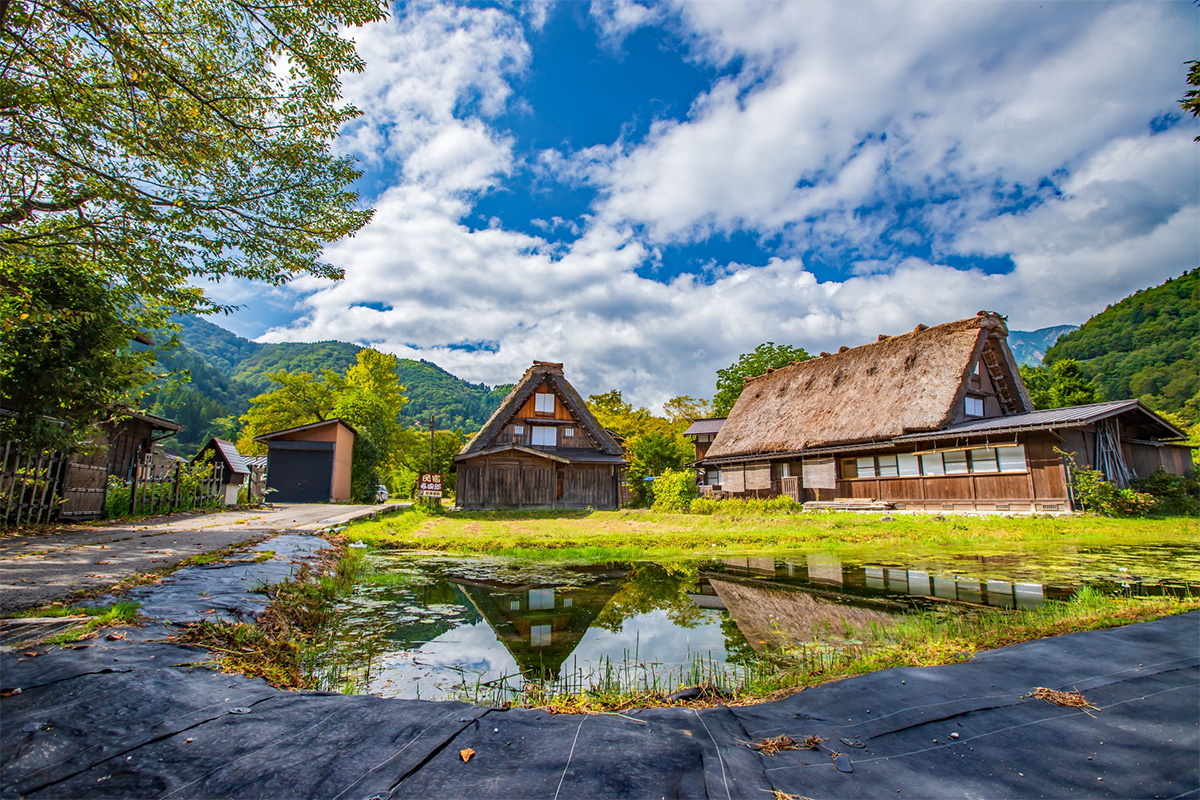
(40,568)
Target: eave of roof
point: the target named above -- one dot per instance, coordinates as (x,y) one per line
(700,426)
(267,436)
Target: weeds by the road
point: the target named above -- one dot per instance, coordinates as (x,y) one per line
(284,644)
(120,613)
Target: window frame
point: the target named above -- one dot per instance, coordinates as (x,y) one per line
(541,431)
(968,400)
(538,402)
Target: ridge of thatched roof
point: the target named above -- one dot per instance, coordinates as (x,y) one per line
(896,385)
(542,372)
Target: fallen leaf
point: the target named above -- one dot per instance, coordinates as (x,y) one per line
(209,611)
(31,653)
(115,636)
(9,692)
(466,754)
(189,739)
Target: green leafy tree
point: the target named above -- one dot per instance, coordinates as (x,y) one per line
(150,143)
(299,399)
(1061,385)
(683,410)
(765,356)
(67,355)
(1191,99)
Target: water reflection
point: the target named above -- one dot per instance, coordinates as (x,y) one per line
(432,627)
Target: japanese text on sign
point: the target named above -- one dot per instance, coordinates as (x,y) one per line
(430,485)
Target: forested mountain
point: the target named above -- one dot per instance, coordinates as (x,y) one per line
(227,371)
(1146,346)
(1029,347)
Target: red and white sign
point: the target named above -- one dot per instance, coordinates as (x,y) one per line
(430,485)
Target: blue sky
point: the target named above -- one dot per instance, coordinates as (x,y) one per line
(644,191)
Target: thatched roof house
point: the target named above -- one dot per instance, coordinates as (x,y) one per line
(541,448)
(934,418)
(917,381)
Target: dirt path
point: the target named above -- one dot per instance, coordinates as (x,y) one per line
(39,568)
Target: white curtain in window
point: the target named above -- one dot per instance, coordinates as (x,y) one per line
(542,435)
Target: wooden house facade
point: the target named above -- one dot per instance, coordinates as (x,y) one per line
(935,419)
(542,448)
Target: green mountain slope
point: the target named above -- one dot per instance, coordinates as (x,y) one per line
(1146,346)
(1029,347)
(227,371)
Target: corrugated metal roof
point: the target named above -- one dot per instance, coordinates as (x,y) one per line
(236,461)
(268,436)
(255,461)
(1050,418)
(710,425)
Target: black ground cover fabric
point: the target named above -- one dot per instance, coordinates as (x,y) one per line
(226,590)
(137,718)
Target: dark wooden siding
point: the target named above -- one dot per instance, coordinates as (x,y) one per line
(510,482)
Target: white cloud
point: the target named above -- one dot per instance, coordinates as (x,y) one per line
(975,101)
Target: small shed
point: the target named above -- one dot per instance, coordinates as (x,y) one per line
(234,469)
(310,463)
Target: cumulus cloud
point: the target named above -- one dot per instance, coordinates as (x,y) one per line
(892,135)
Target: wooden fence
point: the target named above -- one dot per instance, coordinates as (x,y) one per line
(159,487)
(30,484)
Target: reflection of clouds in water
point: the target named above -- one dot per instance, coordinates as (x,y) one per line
(654,637)
(472,647)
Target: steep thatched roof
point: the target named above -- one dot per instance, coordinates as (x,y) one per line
(552,374)
(897,385)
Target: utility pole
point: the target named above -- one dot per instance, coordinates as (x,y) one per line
(433,501)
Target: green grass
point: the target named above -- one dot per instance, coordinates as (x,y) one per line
(121,613)
(630,534)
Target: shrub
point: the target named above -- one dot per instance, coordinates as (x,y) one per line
(1173,494)
(116,501)
(674,490)
(1160,493)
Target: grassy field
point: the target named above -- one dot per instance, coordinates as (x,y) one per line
(635,533)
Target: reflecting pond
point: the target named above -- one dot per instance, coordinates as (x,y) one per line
(439,627)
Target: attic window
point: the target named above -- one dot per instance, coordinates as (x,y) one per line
(976,370)
(543,435)
(543,403)
(568,433)
(518,429)
(973,406)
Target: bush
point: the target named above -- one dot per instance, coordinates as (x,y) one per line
(1173,494)
(116,501)
(1160,493)
(781,504)
(674,490)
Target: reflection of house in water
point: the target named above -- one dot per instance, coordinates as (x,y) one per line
(770,614)
(826,570)
(541,625)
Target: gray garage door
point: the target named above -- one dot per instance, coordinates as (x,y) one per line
(300,472)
